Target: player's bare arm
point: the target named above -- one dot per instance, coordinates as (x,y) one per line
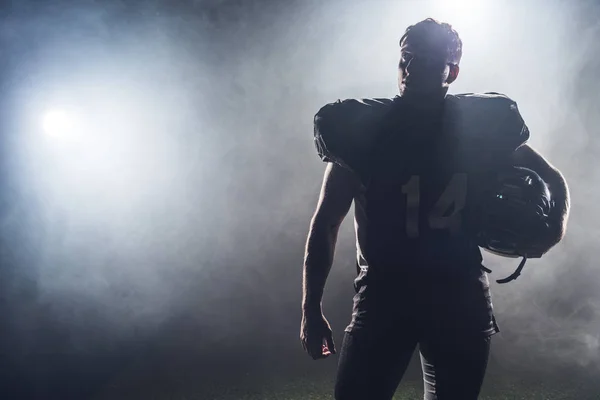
(527,157)
(337,192)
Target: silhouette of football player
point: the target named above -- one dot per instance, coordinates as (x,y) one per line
(413,166)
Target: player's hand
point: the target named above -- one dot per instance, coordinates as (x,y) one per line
(316,335)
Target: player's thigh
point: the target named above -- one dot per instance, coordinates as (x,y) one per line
(371,363)
(454,367)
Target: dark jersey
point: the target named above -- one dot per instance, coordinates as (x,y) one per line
(420,169)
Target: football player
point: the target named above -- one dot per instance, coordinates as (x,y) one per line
(412,165)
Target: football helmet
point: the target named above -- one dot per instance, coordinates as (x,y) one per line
(511,216)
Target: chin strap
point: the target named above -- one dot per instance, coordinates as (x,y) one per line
(513,276)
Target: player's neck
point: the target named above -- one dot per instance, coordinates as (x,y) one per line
(424,100)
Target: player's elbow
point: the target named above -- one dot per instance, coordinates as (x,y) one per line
(561,207)
(323,222)
(559,190)
(558,233)
(556,182)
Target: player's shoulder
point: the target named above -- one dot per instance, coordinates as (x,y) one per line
(344,128)
(488,105)
(353,108)
(485,99)
(495,113)
(350,117)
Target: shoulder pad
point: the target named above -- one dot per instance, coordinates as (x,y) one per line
(344,129)
(491,115)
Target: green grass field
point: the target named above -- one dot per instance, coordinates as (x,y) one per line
(293,376)
(408,391)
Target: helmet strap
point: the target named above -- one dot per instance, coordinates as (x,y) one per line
(515,274)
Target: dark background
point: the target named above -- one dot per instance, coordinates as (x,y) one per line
(156,244)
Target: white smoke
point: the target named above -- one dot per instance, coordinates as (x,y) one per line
(199,205)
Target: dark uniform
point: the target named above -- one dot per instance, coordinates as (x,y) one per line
(420,278)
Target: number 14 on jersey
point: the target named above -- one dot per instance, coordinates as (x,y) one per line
(453,198)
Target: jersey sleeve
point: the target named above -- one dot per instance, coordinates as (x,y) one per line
(335,135)
(324,133)
(344,131)
(514,132)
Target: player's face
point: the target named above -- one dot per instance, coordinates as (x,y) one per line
(421,71)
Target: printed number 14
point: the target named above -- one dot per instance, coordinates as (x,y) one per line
(453,196)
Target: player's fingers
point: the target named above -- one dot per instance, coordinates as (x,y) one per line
(325,351)
(330,343)
(315,349)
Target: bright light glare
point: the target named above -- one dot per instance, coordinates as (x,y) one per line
(58,123)
(461,11)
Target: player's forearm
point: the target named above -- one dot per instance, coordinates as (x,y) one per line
(320,248)
(560,195)
(527,157)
